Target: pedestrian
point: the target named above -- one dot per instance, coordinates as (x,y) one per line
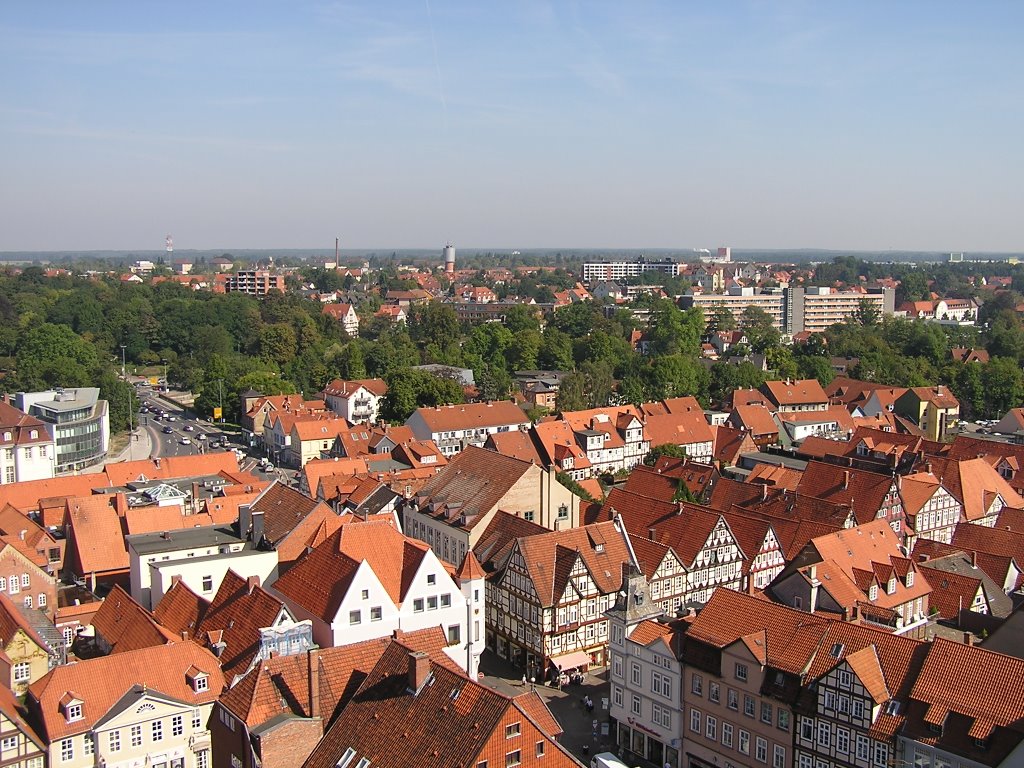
(590,705)
(524,681)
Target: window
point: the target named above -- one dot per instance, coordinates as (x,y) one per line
(748,706)
(616,665)
(635,705)
(158,730)
(513,730)
(863,747)
(661,684)
(207,583)
(807,729)
(842,741)
(806,762)
(714,692)
(431,578)
(783,719)
(858,708)
(845,678)
(88,745)
(873,592)
(73,712)
(201,683)
(136,735)
(882,753)
(528,516)
(741,672)
(27,601)
(432,603)
(761,750)
(766,712)
(24,580)
(540,749)
(203,758)
(365,594)
(744,742)
(14,585)
(417,605)
(662,716)
(41,600)
(454,634)
(67,749)
(711,728)
(197,719)
(376,613)
(844,704)
(617,696)
(513,758)
(9,742)
(3,584)
(343,761)
(727,735)
(22,674)
(482,764)
(563,512)
(355,617)
(779,756)
(732,699)
(634,672)
(446,601)
(824,734)
(697,685)
(177,725)
(695,720)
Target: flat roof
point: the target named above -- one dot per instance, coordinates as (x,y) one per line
(184,538)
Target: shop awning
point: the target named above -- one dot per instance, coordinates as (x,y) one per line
(573,660)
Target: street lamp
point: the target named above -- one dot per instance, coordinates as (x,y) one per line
(123,374)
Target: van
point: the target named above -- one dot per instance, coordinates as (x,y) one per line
(606,760)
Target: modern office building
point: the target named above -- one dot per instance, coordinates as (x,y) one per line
(80,422)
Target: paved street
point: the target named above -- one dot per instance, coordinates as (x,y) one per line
(583,736)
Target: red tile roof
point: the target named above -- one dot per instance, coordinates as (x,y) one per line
(799,392)
(100,683)
(127,626)
(472,416)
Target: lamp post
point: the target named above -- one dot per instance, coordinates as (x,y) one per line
(123,372)
(220,390)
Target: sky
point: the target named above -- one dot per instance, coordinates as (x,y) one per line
(392,124)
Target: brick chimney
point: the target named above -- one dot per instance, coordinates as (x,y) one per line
(313,678)
(419,670)
(846,479)
(968,638)
(252,582)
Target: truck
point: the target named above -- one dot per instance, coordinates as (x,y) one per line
(606,760)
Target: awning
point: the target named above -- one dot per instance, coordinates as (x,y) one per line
(572,660)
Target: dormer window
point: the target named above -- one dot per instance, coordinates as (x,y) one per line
(198,680)
(910,578)
(33,434)
(72,707)
(873,592)
(892,585)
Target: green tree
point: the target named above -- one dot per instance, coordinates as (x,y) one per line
(555,351)
(1003,384)
(664,449)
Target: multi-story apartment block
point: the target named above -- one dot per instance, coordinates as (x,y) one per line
(27,448)
(546,603)
(145,707)
(594,271)
(79,420)
(453,427)
(815,309)
(644,677)
(771,301)
(254,282)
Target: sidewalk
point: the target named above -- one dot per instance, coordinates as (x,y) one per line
(138,449)
(582,730)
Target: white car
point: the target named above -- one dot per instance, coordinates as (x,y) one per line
(185,441)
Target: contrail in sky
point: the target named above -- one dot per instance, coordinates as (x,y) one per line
(437,65)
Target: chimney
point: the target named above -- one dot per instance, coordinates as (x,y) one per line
(252,582)
(244,520)
(22,534)
(974,558)
(968,638)
(812,574)
(419,670)
(257,527)
(650,533)
(764,491)
(313,678)
(156,461)
(846,479)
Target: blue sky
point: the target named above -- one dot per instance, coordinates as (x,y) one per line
(511,124)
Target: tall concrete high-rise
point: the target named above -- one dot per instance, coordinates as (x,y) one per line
(449,259)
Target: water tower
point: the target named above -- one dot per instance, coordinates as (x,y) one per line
(449,259)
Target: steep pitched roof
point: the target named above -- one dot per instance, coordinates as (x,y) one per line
(12,620)
(472,416)
(290,518)
(495,543)
(550,556)
(127,626)
(180,610)
(799,392)
(452,718)
(864,491)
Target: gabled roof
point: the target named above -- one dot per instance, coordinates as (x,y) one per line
(127,626)
(472,416)
(757,420)
(12,620)
(517,444)
(550,556)
(180,610)
(97,535)
(864,491)
(473,484)
(101,683)
(494,546)
(799,392)
(319,580)
(974,483)
(290,518)
(446,723)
